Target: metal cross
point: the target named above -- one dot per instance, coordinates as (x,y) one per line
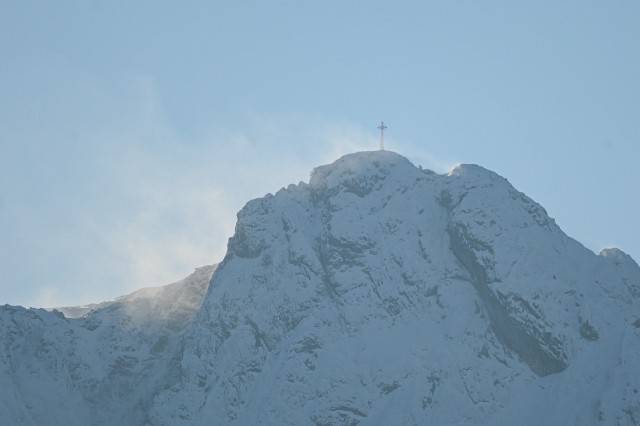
(382,127)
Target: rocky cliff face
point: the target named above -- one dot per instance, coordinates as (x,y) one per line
(379,293)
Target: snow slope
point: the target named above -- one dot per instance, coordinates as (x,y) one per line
(100,368)
(378,293)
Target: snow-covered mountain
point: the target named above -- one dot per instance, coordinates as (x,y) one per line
(100,368)
(378,293)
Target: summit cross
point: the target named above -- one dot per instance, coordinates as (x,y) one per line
(382,127)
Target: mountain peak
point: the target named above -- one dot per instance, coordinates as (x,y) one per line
(367,164)
(471,171)
(616,254)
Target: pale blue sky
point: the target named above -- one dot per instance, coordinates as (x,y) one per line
(131,132)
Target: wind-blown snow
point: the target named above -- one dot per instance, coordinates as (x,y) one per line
(378,293)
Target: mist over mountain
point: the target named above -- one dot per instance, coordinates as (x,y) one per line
(377,293)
